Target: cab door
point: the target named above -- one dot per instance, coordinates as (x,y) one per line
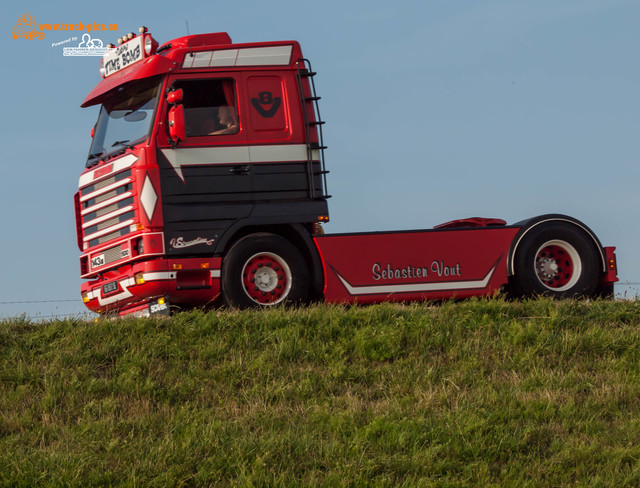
(205,179)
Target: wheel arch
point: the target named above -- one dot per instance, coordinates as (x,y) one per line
(296,234)
(534,222)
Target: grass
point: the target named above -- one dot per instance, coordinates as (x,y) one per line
(477,393)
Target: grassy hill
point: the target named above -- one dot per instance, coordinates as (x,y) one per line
(477,393)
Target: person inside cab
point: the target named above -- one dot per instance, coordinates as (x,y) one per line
(228,119)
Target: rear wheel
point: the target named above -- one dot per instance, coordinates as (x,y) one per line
(263,270)
(556,259)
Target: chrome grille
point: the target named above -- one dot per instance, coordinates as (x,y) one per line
(112,254)
(108,237)
(119,214)
(103,183)
(106,210)
(108,223)
(101,212)
(106,182)
(122,218)
(105,196)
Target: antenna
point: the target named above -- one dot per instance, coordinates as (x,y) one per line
(189,44)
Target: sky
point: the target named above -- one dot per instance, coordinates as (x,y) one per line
(435,110)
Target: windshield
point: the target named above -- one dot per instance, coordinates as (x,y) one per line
(125,119)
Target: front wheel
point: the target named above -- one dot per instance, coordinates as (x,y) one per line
(556,259)
(263,270)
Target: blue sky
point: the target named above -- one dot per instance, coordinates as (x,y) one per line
(435,110)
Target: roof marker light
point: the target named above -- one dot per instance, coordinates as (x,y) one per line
(148,45)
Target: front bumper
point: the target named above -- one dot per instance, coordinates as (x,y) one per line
(183,282)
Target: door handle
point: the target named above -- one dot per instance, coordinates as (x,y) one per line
(239,170)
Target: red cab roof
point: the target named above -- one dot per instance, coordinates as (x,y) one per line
(154,64)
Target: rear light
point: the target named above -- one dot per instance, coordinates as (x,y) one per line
(612,265)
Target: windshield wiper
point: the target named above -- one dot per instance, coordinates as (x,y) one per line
(93,159)
(123,144)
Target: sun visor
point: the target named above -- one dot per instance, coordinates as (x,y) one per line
(151,66)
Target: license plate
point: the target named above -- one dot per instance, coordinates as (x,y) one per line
(109,287)
(159,307)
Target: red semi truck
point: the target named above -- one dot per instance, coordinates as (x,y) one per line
(205,183)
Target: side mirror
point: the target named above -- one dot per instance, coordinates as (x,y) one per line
(174,96)
(177,127)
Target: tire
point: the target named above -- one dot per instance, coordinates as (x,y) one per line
(263,270)
(558,260)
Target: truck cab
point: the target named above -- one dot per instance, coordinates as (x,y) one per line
(162,199)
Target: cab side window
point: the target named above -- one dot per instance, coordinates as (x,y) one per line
(210,107)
